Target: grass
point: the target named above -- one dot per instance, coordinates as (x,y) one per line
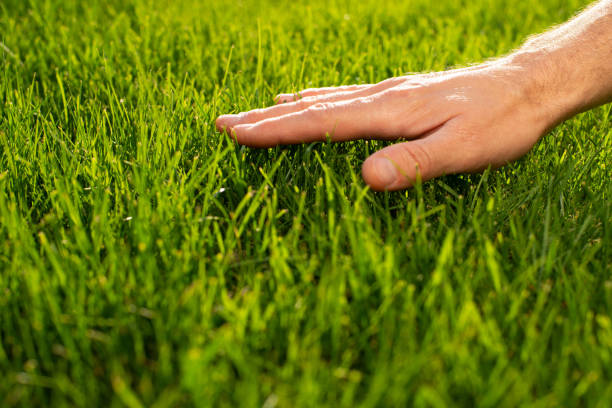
(146,260)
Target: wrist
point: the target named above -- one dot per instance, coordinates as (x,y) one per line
(552,84)
(566,70)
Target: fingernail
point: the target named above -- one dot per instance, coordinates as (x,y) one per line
(385,171)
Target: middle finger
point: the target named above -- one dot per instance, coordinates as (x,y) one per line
(229,121)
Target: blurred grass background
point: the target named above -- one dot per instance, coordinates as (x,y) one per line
(146,260)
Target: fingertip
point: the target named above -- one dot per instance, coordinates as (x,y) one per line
(219,124)
(380,173)
(225,122)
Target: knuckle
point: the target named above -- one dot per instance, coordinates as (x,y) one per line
(303,103)
(366,100)
(318,109)
(419,156)
(307,100)
(322,106)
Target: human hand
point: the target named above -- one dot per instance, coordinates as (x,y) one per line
(456,121)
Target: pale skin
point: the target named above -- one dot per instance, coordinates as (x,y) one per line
(462,120)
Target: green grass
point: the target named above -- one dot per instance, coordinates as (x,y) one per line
(146,260)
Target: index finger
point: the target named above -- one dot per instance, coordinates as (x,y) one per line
(341,121)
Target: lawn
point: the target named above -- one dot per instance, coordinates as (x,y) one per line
(147,260)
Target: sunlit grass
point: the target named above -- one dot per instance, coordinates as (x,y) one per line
(146,260)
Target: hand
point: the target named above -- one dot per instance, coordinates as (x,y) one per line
(456,121)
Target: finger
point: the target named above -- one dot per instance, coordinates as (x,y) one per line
(344,120)
(400,165)
(315,92)
(290,97)
(256,115)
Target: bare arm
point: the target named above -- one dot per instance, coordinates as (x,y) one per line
(460,120)
(572,64)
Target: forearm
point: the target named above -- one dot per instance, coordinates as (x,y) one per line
(569,68)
